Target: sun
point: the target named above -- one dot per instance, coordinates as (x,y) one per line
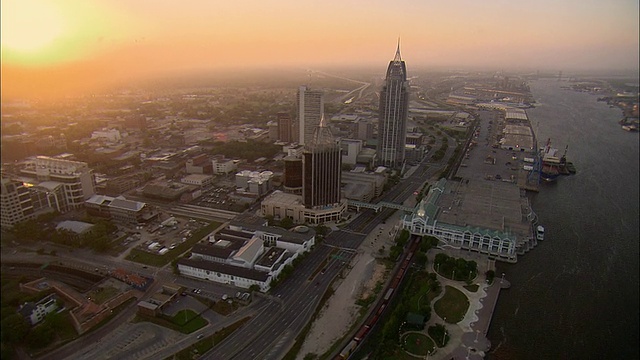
(30,26)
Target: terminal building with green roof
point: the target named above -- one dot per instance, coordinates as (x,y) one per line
(490,217)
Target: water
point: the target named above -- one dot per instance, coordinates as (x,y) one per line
(575,296)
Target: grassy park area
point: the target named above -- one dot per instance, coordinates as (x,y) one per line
(452,306)
(417,344)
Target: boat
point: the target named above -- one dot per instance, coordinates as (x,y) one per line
(630,127)
(540,233)
(550,169)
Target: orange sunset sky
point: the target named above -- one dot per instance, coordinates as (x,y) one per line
(55,47)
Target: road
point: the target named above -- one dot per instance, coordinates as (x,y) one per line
(276,319)
(271,333)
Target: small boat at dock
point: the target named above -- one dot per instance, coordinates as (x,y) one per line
(540,233)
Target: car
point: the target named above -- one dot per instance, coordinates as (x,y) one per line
(225,297)
(200,336)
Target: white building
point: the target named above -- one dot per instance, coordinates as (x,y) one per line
(76,177)
(223,166)
(197,180)
(15,203)
(254,182)
(35,313)
(243,255)
(501,244)
(350,150)
(111,135)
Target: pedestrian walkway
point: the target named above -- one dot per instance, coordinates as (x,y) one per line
(468,337)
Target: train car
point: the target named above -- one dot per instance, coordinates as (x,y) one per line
(381,309)
(362,333)
(387,296)
(344,354)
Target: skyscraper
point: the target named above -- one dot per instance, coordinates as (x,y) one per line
(309,109)
(321,166)
(285,127)
(393,112)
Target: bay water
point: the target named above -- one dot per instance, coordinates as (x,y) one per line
(576,295)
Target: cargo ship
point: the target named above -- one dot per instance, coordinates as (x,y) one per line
(550,169)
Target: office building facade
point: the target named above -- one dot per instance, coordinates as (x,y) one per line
(309,110)
(321,166)
(393,112)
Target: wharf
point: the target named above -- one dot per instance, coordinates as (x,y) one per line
(525,183)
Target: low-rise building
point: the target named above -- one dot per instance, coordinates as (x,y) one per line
(36,312)
(223,166)
(246,253)
(280,205)
(199,180)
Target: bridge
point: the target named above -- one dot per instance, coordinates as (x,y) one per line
(377,207)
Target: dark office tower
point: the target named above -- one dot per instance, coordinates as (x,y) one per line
(394,106)
(321,165)
(309,110)
(285,129)
(292,174)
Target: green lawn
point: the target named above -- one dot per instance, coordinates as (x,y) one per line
(188,321)
(418,344)
(472,288)
(452,306)
(185,321)
(100,295)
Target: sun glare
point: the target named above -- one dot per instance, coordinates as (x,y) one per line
(29,26)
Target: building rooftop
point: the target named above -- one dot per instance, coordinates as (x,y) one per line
(77,227)
(225,269)
(270,257)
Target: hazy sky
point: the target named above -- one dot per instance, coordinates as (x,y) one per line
(60,45)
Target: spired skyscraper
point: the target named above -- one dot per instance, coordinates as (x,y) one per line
(309,109)
(393,112)
(321,166)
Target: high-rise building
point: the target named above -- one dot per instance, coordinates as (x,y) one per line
(321,166)
(16,204)
(393,111)
(75,177)
(286,131)
(309,110)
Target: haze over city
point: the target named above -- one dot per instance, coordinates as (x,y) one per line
(64,47)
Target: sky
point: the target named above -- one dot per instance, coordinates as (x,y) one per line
(57,47)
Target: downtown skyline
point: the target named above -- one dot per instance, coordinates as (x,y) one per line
(59,47)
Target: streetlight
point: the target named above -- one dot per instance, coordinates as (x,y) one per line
(445,334)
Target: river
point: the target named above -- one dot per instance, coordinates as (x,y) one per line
(576,295)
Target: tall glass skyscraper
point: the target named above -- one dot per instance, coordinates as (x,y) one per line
(394,106)
(321,166)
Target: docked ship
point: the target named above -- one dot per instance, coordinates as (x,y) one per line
(551,164)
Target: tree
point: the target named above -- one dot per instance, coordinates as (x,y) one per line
(14,328)
(286,223)
(41,336)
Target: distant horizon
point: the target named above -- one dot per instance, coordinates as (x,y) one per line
(54,48)
(248,75)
